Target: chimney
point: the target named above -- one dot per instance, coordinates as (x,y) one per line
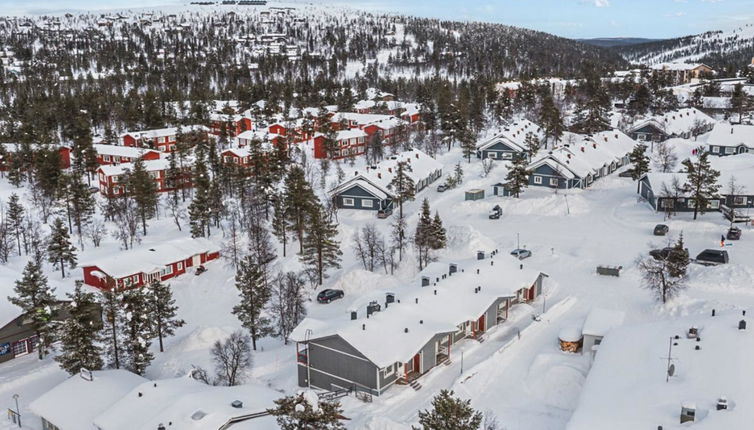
(425,281)
(379,175)
(405,330)
(417,300)
(480,255)
(582,149)
(742,325)
(452,269)
(363,326)
(354,315)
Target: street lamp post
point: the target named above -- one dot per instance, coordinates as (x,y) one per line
(18,411)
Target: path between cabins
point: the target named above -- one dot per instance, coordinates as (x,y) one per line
(500,348)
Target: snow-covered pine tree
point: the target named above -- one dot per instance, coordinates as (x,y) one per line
(701,182)
(137,330)
(518,176)
(162,310)
(321,248)
(423,235)
(306,411)
(15,218)
(639,161)
(60,251)
(449,412)
(678,259)
(79,334)
(288,303)
(402,185)
(254,298)
(532,145)
(439,239)
(37,301)
(468,144)
(80,202)
(143,189)
(110,300)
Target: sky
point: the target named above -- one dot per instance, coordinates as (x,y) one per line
(567,18)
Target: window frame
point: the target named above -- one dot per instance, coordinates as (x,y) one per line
(537,180)
(348,201)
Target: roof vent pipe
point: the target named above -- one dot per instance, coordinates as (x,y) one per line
(363,326)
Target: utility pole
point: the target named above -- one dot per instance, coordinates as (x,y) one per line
(18,411)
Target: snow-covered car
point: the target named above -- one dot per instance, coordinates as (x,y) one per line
(442,188)
(328,295)
(384,213)
(496,212)
(712,257)
(521,253)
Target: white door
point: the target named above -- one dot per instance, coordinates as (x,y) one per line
(197,260)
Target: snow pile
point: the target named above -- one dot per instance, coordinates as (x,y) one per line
(465,240)
(554,382)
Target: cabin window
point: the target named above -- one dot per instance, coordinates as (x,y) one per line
(714,204)
(347,201)
(20,348)
(553,182)
(691,203)
(167,270)
(492,155)
(537,179)
(389,371)
(106,157)
(367,203)
(114,180)
(666,203)
(116,191)
(180,266)
(715,149)
(739,201)
(730,150)
(507,155)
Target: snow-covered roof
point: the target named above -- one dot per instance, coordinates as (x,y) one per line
(732,135)
(659,181)
(626,387)
(399,331)
(184,402)
(364,119)
(151,259)
(74,403)
(161,132)
(149,166)
(350,134)
(600,321)
(678,122)
(590,154)
(740,167)
(122,151)
(678,66)
(383,173)
(15,147)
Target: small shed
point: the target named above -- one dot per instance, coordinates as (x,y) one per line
(597,324)
(475,194)
(570,339)
(501,189)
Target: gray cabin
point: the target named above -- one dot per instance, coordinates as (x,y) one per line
(360,193)
(392,343)
(499,148)
(648,131)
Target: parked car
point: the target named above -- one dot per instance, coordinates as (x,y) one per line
(199,270)
(521,253)
(442,188)
(734,233)
(93,190)
(712,257)
(328,295)
(496,212)
(664,253)
(384,213)
(661,230)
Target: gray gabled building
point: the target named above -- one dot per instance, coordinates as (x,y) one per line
(395,338)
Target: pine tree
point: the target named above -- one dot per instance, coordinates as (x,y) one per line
(137,330)
(199,209)
(306,411)
(255,295)
(79,201)
(60,251)
(321,249)
(37,301)
(701,182)
(639,160)
(110,300)
(16,215)
(402,185)
(439,237)
(468,144)
(450,413)
(162,311)
(79,334)
(518,176)
(423,235)
(532,145)
(678,259)
(143,189)
(299,200)
(279,221)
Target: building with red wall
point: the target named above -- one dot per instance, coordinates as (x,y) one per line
(163,139)
(111,176)
(116,154)
(138,267)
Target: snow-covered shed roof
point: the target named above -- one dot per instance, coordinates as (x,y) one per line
(626,387)
(74,403)
(161,132)
(184,402)
(677,66)
(678,122)
(121,151)
(400,330)
(659,181)
(152,258)
(600,321)
(350,134)
(732,135)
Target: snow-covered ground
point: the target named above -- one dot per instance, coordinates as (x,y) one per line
(518,373)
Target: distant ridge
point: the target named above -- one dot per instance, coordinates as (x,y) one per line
(612,42)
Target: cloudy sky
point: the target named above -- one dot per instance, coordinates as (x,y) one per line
(569,18)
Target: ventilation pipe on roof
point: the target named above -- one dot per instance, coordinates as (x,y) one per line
(363,326)
(405,330)
(354,315)
(435,292)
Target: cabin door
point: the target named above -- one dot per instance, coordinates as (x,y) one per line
(197,260)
